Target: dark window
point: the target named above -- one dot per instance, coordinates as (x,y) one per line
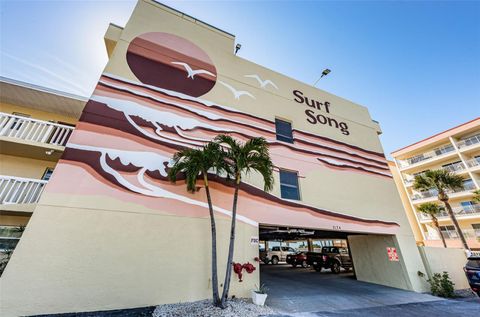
(276,249)
(47,174)
(283,130)
(289,185)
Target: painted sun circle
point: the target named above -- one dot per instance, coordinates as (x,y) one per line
(171,62)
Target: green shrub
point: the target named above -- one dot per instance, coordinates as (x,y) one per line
(441,285)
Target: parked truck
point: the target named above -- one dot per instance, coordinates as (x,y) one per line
(333,258)
(276,254)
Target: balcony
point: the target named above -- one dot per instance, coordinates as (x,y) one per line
(454,168)
(473,140)
(22,136)
(432,239)
(460,212)
(475,162)
(421,158)
(19,191)
(468,233)
(467,187)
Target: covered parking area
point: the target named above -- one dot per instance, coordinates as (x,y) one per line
(303,290)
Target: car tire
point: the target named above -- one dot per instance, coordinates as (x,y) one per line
(318,268)
(275,260)
(335,267)
(304,264)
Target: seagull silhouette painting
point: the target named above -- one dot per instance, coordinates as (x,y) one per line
(191,72)
(237,93)
(263,83)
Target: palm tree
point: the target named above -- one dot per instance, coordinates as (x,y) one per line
(442,181)
(476,196)
(252,156)
(195,163)
(433,209)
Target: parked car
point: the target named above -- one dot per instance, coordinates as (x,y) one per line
(299,258)
(333,258)
(472,271)
(276,254)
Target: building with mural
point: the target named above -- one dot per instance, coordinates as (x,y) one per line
(110,231)
(35,124)
(456,150)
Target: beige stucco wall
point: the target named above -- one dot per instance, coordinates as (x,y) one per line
(23,167)
(117,260)
(451,260)
(370,259)
(412,220)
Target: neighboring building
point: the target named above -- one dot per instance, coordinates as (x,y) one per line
(456,150)
(35,124)
(111,231)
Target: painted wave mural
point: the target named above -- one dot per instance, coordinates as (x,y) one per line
(129,131)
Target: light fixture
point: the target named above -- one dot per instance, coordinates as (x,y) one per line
(325,72)
(237,48)
(49,152)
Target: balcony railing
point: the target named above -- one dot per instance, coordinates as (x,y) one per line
(475,139)
(18,190)
(460,211)
(457,167)
(433,192)
(426,155)
(34,130)
(474,162)
(468,233)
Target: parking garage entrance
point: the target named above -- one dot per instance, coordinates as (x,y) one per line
(298,287)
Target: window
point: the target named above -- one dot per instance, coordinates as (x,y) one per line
(9,237)
(444,149)
(47,174)
(283,130)
(289,185)
(276,249)
(476,228)
(449,232)
(468,184)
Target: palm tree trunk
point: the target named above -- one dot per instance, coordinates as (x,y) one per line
(435,223)
(455,223)
(228,274)
(215,294)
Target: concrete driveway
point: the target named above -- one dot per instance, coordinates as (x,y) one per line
(304,290)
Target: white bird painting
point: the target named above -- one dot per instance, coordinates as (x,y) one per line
(191,72)
(263,83)
(237,93)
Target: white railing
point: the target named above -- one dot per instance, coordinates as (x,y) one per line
(459,211)
(18,190)
(34,130)
(473,162)
(475,139)
(426,155)
(454,167)
(468,233)
(433,192)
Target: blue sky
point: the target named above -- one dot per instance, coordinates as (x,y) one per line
(414,64)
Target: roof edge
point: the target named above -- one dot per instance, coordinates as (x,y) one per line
(42,88)
(437,134)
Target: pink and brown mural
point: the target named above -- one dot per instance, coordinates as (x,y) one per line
(129,130)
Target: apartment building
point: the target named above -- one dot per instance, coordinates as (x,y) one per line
(458,151)
(35,124)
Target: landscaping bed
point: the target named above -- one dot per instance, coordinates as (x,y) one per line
(235,308)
